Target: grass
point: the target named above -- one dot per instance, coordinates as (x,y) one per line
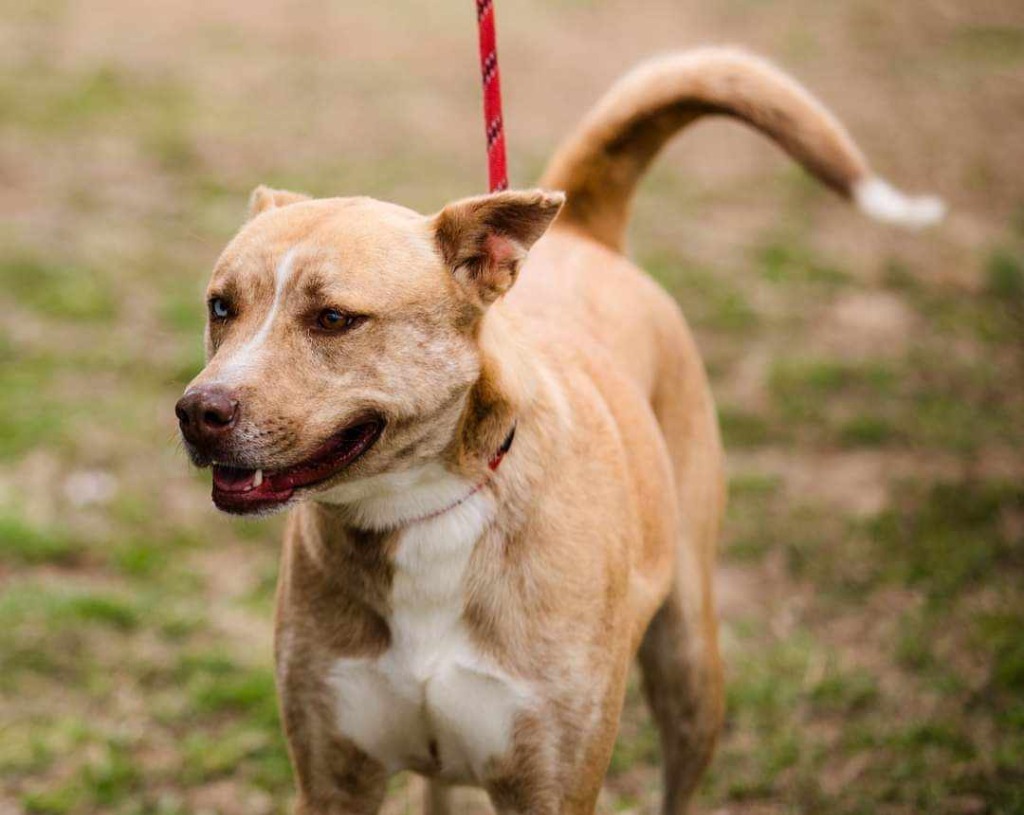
(23,544)
(784,260)
(999,45)
(711,301)
(57,290)
(951,535)
(876,522)
(58,608)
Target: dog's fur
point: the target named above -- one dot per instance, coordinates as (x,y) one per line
(469,620)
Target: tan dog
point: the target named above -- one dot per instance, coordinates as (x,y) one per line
(501,495)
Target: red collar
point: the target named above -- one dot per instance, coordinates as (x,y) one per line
(493,464)
(505,447)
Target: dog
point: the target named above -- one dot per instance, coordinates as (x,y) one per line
(501,455)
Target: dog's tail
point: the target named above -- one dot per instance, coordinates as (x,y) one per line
(601,163)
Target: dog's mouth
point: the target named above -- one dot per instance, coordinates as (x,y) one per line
(244,491)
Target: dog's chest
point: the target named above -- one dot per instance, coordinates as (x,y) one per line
(432,702)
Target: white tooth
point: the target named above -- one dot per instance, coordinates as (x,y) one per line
(257,479)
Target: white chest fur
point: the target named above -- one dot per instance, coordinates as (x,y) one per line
(432,702)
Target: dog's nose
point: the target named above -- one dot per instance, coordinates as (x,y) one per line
(206,413)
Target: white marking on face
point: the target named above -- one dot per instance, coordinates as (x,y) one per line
(244,362)
(432,686)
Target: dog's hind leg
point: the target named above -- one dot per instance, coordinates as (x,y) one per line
(682,683)
(682,674)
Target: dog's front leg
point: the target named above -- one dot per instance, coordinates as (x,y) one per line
(341,793)
(305,806)
(521,796)
(528,781)
(526,797)
(337,778)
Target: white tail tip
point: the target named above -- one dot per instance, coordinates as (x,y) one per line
(883,202)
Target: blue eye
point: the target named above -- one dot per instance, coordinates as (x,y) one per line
(219,309)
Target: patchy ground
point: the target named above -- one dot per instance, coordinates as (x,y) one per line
(871,383)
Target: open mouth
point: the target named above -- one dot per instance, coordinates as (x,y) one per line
(243,491)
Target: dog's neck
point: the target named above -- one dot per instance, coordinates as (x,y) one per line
(502,392)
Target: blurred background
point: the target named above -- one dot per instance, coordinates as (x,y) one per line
(871,382)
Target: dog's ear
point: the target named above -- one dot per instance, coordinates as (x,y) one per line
(484,240)
(264,198)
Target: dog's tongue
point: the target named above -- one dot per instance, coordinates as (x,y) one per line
(233,479)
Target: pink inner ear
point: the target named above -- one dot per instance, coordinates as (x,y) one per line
(502,250)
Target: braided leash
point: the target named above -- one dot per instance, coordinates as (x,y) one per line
(497,166)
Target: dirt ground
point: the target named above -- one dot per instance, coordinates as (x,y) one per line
(870,382)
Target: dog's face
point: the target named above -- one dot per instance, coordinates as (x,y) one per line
(342,338)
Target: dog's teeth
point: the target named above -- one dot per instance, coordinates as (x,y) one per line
(257,479)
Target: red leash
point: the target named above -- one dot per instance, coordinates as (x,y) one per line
(497,166)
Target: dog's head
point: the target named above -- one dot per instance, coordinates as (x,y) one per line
(342,338)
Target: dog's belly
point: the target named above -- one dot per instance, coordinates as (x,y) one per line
(432,702)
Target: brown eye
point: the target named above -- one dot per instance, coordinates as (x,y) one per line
(331,319)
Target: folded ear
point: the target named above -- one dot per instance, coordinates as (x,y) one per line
(264,198)
(484,240)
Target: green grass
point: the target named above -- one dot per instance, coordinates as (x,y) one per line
(921,401)
(106,776)
(1005,276)
(216,684)
(22,543)
(27,417)
(867,431)
(744,429)
(61,291)
(950,535)
(796,383)
(241,704)
(210,756)
(58,608)
(998,633)
(711,300)
(998,45)
(783,260)
(47,102)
